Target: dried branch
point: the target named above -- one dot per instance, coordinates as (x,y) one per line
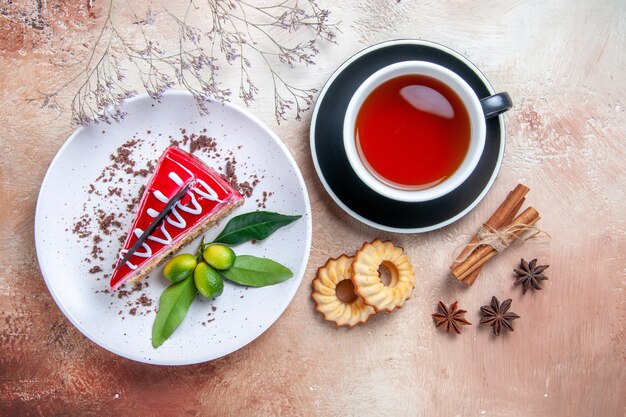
(239,33)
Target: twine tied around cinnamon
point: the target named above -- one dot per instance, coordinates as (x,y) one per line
(500,239)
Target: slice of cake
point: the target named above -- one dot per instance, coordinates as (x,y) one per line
(208,199)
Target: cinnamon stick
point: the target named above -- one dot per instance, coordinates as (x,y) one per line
(496,224)
(503,216)
(483,253)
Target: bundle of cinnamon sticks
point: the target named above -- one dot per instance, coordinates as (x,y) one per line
(468,264)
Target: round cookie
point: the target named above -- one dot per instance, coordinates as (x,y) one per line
(332,278)
(368,283)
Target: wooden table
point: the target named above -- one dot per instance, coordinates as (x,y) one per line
(562,62)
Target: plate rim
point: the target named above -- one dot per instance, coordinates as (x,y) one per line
(137,358)
(332,194)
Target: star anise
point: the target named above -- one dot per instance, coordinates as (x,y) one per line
(497,315)
(450,318)
(530,275)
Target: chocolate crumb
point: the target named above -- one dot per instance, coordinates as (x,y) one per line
(95,251)
(122,155)
(142,172)
(114,191)
(95,269)
(107,221)
(230,171)
(246,189)
(144,300)
(262,203)
(131,206)
(201,142)
(81,227)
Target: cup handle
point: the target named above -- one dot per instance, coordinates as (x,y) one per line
(496,104)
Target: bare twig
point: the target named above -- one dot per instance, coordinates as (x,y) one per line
(237,31)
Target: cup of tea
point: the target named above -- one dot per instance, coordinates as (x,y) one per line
(414,130)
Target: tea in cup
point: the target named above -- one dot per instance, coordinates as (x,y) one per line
(414,131)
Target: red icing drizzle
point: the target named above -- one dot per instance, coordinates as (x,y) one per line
(208,193)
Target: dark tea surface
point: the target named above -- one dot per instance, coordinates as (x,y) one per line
(413,132)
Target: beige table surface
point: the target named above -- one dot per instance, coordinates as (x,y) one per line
(562,62)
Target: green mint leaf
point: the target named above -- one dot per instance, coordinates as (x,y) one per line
(173,306)
(257,272)
(253,226)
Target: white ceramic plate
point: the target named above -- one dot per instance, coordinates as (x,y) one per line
(240,314)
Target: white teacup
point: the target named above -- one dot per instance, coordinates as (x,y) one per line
(478,110)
